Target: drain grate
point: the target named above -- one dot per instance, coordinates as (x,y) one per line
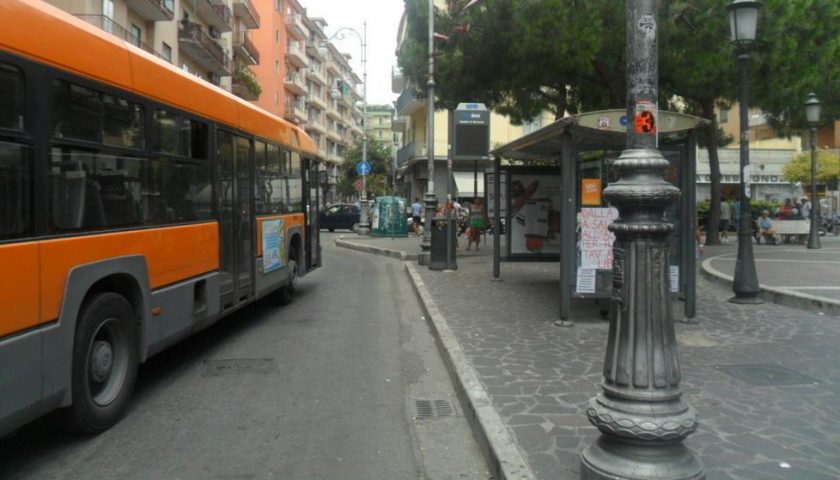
(239,366)
(433,408)
(767,375)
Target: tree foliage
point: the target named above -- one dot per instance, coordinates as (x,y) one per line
(380,159)
(799,169)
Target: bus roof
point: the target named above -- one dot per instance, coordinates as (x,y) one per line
(46,34)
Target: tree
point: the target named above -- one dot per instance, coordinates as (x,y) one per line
(799,169)
(525,56)
(380,159)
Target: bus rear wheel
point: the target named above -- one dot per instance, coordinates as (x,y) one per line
(286,294)
(104,363)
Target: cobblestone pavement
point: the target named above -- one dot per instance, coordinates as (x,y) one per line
(764,379)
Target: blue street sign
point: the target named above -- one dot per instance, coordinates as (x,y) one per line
(623,120)
(363,168)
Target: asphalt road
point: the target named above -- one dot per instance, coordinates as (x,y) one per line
(325,388)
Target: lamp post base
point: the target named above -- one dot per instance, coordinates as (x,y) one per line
(746,300)
(612,459)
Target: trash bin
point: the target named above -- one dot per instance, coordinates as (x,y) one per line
(388,217)
(444,231)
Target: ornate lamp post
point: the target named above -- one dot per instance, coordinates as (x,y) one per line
(430,199)
(743,20)
(812,112)
(340,34)
(640,412)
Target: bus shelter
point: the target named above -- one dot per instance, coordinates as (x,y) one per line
(550,183)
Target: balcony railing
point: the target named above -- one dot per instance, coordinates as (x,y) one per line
(117,30)
(407,103)
(406,153)
(295,54)
(245,10)
(296,111)
(153,10)
(246,49)
(216,13)
(294,22)
(201,47)
(295,82)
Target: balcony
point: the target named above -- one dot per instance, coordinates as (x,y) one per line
(153,10)
(333,67)
(407,103)
(314,50)
(295,112)
(398,124)
(333,113)
(316,126)
(409,152)
(295,83)
(245,49)
(295,27)
(241,89)
(295,54)
(215,13)
(332,134)
(199,46)
(397,80)
(317,75)
(247,13)
(317,100)
(117,30)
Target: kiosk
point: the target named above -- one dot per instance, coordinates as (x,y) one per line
(549,199)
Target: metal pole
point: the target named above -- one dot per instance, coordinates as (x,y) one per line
(449,190)
(364,224)
(814,236)
(745,283)
(497,218)
(430,199)
(640,412)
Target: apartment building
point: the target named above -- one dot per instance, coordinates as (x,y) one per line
(379,128)
(208,38)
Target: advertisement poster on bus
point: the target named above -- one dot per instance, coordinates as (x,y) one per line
(273,245)
(535,213)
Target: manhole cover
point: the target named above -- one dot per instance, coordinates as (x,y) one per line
(767,375)
(239,366)
(433,408)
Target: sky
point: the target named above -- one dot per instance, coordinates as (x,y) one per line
(383,18)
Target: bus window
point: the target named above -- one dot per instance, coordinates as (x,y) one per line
(15,180)
(90,190)
(171,134)
(182,188)
(295,184)
(262,199)
(123,122)
(11,97)
(77,111)
(276,186)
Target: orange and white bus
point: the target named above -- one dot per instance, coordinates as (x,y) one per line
(138,204)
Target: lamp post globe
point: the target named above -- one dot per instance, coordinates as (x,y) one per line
(743,21)
(812,113)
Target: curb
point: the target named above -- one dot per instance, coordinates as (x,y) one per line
(340,242)
(504,458)
(778,296)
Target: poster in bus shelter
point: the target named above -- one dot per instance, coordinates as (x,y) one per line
(535,213)
(273,245)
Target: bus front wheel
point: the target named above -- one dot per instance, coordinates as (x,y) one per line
(104,363)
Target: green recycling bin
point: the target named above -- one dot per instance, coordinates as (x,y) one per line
(388,218)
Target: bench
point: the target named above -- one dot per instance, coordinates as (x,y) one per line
(790,231)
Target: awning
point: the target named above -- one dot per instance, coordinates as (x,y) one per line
(464,183)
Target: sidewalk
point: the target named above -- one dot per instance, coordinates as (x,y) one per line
(764,379)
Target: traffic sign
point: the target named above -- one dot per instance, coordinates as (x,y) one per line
(363,168)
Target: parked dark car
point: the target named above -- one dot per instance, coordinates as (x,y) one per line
(340,215)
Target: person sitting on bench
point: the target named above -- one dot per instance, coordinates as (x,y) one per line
(765,228)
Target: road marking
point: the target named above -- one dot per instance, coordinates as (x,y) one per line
(812,288)
(781,260)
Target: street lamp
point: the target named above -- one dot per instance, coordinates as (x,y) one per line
(743,19)
(812,112)
(640,411)
(340,34)
(429,199)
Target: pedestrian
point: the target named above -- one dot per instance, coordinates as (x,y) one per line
(725,218)
(806,207)
(765,229)
(476,224)
(416,211)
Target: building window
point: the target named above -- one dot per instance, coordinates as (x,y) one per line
(279,5)
(277,67)
(167,52)
(724,116)
(276,98)
(277,36)
(136,34)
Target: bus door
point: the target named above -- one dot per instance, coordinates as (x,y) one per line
(236,220)
(312,202)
